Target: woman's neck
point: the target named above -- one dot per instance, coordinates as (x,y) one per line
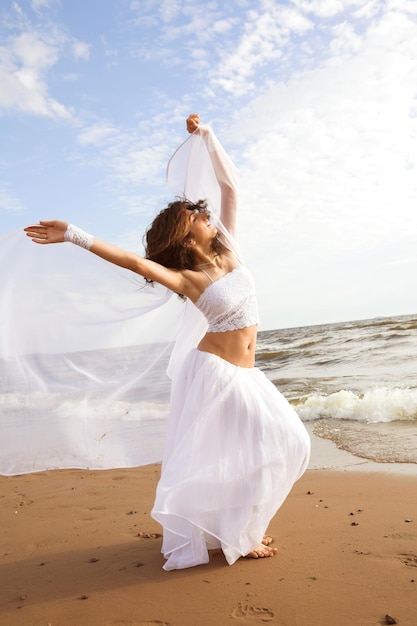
(210,261)
(205,255)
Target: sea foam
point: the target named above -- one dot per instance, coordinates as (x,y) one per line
(380,404)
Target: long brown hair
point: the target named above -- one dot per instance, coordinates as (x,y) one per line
(165,238)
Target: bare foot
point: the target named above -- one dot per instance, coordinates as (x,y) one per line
(261,551)
(267,540)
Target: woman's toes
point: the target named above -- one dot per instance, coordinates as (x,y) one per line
(267,540)
(261,551)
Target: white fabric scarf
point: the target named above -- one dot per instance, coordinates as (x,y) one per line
(85,345)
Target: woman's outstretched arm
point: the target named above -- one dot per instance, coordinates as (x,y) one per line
(57,231)
(224,169)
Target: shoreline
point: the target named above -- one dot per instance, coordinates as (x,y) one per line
(80,548)
(326,455)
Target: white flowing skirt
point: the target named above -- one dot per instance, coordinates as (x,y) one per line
(234,449)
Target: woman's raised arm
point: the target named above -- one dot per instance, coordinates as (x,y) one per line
(224,169)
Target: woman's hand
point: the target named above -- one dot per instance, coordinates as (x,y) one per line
(192,121)
(47,232)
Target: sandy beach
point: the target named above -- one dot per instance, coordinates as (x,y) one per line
(80,548)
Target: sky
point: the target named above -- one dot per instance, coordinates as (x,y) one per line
(315,101)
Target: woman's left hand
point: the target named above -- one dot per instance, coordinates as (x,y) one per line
(47,231)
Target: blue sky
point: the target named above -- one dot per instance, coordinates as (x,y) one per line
(315,100)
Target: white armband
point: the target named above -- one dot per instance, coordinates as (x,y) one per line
(78,236)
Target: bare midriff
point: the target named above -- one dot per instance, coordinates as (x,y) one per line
(235,346)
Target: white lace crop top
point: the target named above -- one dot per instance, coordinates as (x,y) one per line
(229,303)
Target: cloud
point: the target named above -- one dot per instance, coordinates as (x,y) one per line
(400,262)
(178,33)
(329,157)
(38,5)
(81,50)
(225,48)
(8,202)
(263,44)
(328,163)
(24,63)
(131,161)
(326,8)
(98,135)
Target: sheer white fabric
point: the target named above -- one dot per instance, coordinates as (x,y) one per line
(234,446)
(84,345)
(83,353)
(234,449)
(200,168)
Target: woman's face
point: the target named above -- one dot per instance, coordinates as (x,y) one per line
(201,230)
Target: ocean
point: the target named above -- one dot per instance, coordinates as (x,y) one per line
(354,383)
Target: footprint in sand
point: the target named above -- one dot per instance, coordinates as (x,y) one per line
(408,559)
(252,613)
(25,502)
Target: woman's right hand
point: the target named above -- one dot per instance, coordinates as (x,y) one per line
(51,231)
(193,122)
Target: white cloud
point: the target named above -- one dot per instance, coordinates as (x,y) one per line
(186,32)
(222,26)
(265,36)
(140,165)
(24,63)
(132,161)
(30,50)
(8,202)
(368,9)
(169,9)
(400,262)
(81,50)
(325,8)
(329,160)
(37,5)
(345,40)
(17,9)
(98,135)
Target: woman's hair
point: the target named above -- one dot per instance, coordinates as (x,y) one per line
(169,231)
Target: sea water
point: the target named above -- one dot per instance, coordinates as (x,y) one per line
(355,381)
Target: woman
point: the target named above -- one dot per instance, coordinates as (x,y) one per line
(234,446)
